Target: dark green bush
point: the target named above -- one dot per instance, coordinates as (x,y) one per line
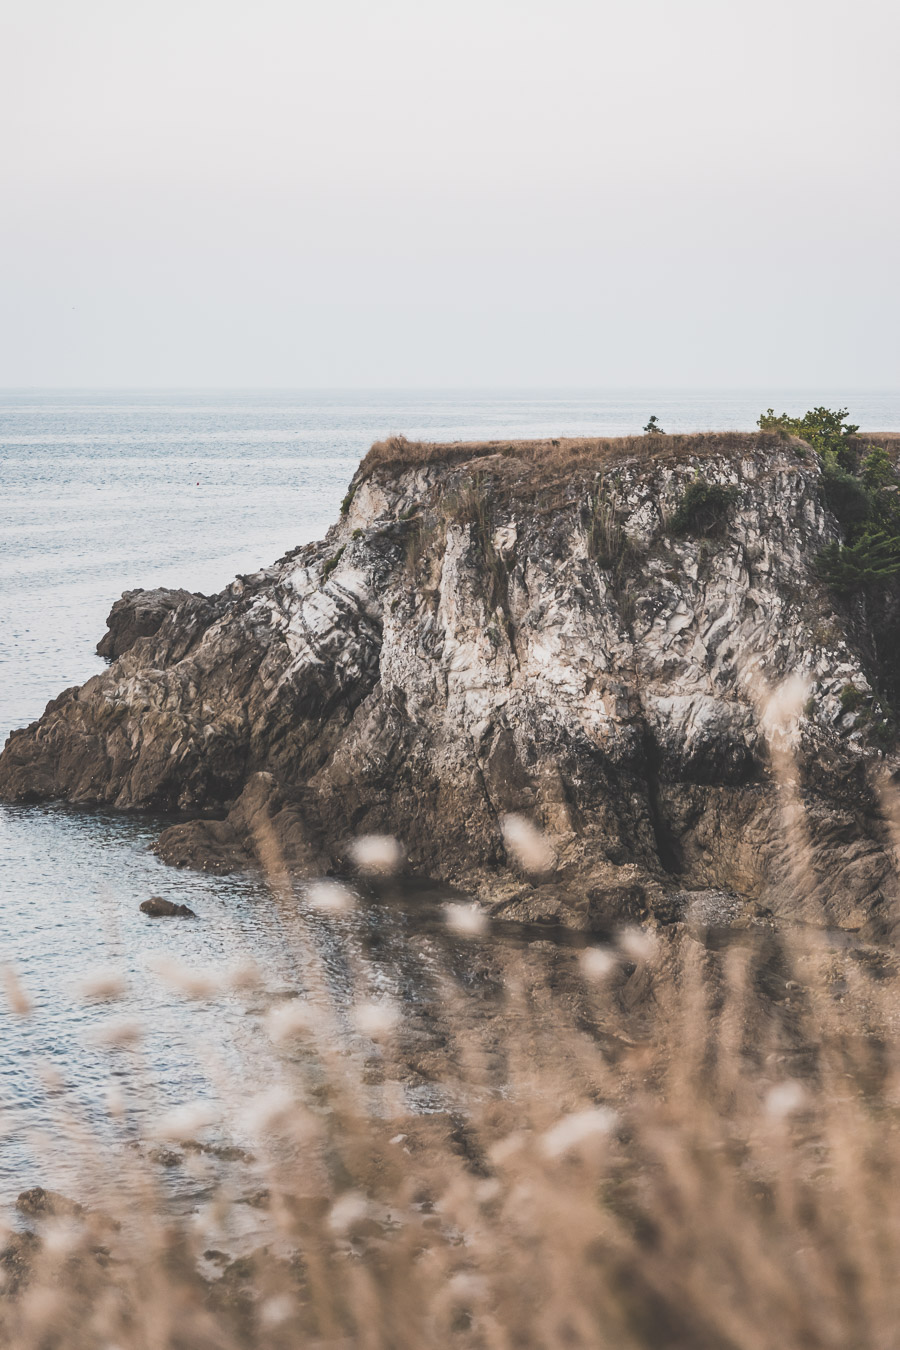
(877,470)
(847,498)
(874,557)
(851,698)
(703,510)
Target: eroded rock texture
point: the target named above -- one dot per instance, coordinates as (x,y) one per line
(516,628)
(137,614)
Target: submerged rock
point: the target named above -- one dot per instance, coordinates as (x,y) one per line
(38,1203)
(158,908)
(514,629)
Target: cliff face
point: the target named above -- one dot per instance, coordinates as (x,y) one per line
(560,630)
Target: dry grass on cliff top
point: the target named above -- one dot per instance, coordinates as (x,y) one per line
(549,457)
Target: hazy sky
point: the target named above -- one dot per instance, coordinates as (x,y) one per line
(405,192)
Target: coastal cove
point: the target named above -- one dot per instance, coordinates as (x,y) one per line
(105,493)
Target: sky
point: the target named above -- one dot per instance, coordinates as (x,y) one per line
(402,193)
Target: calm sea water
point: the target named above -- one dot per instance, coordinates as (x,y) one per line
(101,492)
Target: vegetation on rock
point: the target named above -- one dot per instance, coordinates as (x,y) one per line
(703,509)
(861,491)
(825,429)
(332,563)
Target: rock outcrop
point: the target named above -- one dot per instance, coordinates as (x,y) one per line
(134,615)
(516,628)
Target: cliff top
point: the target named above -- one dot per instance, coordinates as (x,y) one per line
(546,458)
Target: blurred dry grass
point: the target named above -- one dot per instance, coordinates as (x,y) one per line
(692,1148)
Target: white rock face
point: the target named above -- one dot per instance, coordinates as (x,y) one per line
(484,636)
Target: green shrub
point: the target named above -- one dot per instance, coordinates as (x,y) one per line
(877,470)
(703,509)
(851,698)
(825,429)
(885,731)
(653,428)
(873,558)
(332,563)
(345,504)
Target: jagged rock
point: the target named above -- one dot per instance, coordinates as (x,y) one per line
(263,824)
(513,628)
(137,614)
(158,908)
(700,910)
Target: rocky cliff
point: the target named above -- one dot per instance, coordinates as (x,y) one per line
(589,634)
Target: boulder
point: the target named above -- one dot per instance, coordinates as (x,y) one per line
(158,908)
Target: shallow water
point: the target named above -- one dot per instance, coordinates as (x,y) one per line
(102,492)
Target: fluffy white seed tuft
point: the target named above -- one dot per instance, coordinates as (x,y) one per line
(119,1031)
(244,975)
(377,854)
(330,897)
(102,985)
(184,1122)
(274,1110)
(347,1210)
(597,963)
(192,981)
(275,1311)
(16,997)
(637,943)
(288,1020)
(784,1099)
(466,920)
(527,844)
(376,1019)
(576,1129)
